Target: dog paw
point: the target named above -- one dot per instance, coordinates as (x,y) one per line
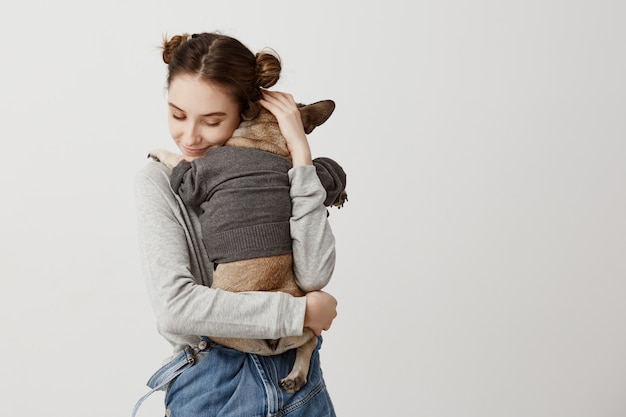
(339,202)
(170,159)
(292,384)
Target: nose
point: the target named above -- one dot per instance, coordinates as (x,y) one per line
(190,135)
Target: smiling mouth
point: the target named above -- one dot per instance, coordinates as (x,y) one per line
(195,152)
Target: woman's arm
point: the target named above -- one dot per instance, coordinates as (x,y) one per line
(313,241)
(171,255)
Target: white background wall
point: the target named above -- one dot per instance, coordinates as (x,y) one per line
(481,268)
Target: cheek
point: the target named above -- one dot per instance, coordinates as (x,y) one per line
(174,128)
(219,136)
(230,128)
(227,134)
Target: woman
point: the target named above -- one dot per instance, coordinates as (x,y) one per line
(213,82)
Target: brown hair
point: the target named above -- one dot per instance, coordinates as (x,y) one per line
(223,60)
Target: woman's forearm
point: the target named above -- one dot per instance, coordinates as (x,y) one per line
(313,241)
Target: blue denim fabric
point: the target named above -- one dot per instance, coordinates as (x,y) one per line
(224,382)
(167,373)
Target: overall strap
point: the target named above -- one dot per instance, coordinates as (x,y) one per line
(167,373)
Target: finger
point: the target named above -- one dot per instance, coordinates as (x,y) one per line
(267,104)
(284,100)
(272,96)
(272,104)
(275,94)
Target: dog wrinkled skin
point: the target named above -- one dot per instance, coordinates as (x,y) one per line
(273,273)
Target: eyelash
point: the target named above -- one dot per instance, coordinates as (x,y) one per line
(206,123)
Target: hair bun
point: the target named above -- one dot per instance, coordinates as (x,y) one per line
(268,68)
(169,46)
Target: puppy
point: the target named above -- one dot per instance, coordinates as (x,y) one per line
(256,272)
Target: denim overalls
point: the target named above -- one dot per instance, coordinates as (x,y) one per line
(211,380)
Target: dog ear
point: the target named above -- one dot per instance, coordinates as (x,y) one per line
(315,114)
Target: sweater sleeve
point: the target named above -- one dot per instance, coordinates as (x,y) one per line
(332,177)
(182,305)
(188,180)
(313,241)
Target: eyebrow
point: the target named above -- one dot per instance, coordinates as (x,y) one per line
(215,113)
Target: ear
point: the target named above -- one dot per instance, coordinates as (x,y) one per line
(315,114)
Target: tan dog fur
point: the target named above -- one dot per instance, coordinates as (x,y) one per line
(273,273)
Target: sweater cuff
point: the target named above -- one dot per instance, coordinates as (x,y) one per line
(296,324)
(178,174)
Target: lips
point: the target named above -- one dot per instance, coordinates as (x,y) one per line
(195,152)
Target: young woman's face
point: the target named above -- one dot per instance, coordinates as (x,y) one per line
(201,116)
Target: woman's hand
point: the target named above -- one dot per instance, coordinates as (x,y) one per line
(321,310)
(285,109)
